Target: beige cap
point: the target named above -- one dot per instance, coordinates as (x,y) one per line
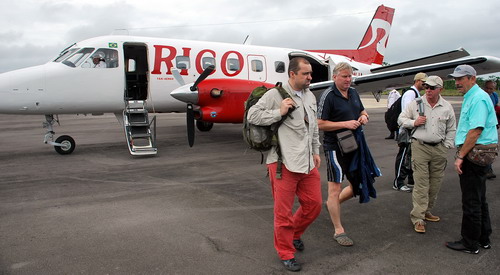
(420,76)
(434,81)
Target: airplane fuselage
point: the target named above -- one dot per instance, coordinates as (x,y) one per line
(64,87)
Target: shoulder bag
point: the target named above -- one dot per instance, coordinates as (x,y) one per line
(346,141)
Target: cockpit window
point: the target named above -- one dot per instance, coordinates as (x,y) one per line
(77,58)
(102,58)
(65,54)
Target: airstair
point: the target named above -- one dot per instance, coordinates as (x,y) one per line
(139,131)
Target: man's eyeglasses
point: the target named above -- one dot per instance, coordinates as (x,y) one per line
(432,88)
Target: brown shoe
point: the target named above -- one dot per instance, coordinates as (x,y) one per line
(431,218)
(420,227)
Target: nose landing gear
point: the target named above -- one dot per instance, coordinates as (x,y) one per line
(63,145)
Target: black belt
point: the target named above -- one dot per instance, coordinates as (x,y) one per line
(427,143)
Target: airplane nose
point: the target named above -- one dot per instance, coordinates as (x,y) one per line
(185,94)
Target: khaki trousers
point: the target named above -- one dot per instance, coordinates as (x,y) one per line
(428,164)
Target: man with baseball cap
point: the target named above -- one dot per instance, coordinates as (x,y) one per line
(401,170)
(434,124)
(477,125)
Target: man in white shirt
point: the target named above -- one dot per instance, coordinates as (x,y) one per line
(391,98)
(434,127)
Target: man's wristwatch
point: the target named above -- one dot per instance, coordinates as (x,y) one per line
(457,156)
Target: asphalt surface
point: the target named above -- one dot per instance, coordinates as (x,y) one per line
(202,210)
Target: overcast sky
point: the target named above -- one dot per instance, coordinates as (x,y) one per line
(34,31)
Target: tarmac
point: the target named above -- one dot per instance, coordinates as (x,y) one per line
(203,210)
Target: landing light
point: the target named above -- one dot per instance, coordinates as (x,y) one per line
(216,93)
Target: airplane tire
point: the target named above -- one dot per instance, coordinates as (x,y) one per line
(204,126)
(69,145)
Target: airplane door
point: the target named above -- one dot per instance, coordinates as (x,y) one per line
(257,68)
(136,71)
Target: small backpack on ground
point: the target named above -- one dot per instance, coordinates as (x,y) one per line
(392,114)
(263,138)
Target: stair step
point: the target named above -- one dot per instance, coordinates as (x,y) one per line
(137,124)
(143,151)
(137,118)
(138,129)
(136,136)
(135,104)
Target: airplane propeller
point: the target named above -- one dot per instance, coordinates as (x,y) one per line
(178,77)
(189,109)
(202,77)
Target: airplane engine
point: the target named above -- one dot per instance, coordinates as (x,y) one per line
(220,100)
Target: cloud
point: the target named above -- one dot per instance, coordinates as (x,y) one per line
(418,30)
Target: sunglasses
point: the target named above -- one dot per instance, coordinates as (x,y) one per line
(432,88)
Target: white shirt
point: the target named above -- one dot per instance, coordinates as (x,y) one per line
(408,97)
(393,96)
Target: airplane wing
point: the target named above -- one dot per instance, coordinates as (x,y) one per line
(441,57)
(397,76)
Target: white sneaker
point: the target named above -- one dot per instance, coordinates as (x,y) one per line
(405,188)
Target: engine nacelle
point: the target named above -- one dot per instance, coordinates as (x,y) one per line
(220,100)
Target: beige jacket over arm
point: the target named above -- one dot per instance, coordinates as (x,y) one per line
(299,140)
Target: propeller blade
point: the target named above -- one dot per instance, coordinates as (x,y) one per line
(178,77)
(202,77)
(190,124)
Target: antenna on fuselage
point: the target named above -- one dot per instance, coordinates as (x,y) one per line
(248,40)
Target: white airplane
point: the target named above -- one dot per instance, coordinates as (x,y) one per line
(134,76)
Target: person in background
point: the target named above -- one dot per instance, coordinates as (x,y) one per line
(401,170)
(490,87)
(391,98)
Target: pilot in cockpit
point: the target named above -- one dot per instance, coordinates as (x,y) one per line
(98,60)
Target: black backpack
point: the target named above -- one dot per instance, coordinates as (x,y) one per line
(263,138)
(392,114)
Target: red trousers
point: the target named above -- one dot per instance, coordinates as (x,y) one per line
(289,226)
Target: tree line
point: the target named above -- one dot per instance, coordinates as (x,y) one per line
(450,84)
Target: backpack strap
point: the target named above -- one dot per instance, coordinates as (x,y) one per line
(284,94)
(416,93)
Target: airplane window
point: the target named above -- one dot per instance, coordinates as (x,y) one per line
(77,58)
(182,62)
(101,58)
(279,66)
(257,66)
(111,58)
(233,64)
(207,61)
(65,54)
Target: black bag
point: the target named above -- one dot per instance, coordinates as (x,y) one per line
(404,136)
(392,114)
(347,141)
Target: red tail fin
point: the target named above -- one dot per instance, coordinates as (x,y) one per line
(372,47)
